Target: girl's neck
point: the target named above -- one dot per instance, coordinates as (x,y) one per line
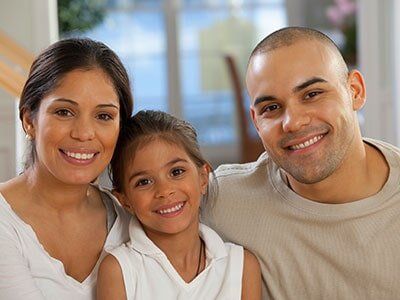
(183,250)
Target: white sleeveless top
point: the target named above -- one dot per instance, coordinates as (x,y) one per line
(148,274)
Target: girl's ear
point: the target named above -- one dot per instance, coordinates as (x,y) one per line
(204,174)
(121,199)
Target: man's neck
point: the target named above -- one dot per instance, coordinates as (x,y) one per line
(360,175)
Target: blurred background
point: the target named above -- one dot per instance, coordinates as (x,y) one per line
(188,57)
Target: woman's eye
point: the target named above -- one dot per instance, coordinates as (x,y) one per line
(143,182)
(63,113)
(105,117)
(177,172)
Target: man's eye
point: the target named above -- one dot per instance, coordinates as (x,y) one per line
(312,94)
(63,113)
(270,108)
(143,182)
(177,172)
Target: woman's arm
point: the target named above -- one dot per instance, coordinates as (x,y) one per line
(110,282)
(16,281)
(251,280)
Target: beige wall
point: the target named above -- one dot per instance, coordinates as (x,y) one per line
(33,25)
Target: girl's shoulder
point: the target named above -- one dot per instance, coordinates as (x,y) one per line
(216,246)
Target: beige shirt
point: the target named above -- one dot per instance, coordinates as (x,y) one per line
(309,250)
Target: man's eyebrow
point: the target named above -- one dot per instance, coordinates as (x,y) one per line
(308,83)
(263,99)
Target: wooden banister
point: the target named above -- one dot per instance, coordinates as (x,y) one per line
(14,52)
(12,79)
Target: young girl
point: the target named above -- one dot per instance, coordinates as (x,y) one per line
(160,177)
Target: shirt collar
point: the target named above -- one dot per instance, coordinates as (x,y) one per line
(215,247)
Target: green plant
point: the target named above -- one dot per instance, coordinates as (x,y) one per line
(79,15)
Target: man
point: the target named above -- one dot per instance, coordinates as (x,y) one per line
(321,207)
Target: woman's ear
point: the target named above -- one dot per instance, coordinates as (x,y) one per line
(204,175)
(28,126)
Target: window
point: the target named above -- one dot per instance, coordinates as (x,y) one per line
(174,52)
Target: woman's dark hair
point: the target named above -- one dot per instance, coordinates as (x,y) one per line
(62,57)
(146,126)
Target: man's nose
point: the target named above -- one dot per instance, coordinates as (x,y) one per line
(295,117)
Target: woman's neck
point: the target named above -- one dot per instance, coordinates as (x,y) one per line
(53,194)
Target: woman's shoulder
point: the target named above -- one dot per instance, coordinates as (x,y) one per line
(111,200)
(13,189)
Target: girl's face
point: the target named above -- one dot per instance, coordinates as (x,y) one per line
(163,188)
(76,127)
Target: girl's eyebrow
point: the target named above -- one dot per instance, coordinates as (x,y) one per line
(143,172)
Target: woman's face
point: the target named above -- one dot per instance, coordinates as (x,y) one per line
(76,127)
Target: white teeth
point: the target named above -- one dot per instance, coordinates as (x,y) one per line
(170,210)
(82,156)
(306,143)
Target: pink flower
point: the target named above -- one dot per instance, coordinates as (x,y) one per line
(340,11)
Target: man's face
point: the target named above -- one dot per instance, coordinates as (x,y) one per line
(304,109)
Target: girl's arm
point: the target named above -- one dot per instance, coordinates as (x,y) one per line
(110,282)
(251,281)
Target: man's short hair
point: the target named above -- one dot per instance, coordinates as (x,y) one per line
(290,35)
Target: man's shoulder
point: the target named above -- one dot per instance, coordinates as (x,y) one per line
(239,170)
(383,146)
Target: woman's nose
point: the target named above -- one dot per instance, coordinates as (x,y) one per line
(83,129)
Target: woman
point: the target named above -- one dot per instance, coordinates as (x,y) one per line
(55,224)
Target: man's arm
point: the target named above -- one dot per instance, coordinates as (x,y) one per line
(110,281)
(251,280)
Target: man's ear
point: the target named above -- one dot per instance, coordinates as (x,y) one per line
(121,199)
(253,117)
(204,175)
(357,89)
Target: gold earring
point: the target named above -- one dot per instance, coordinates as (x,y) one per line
(28,137)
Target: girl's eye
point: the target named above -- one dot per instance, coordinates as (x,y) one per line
(143,182)
(63,113)
(177,172)
(312,94)
(105,117)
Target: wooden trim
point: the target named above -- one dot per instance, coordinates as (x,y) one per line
(14,52)
(11,80)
